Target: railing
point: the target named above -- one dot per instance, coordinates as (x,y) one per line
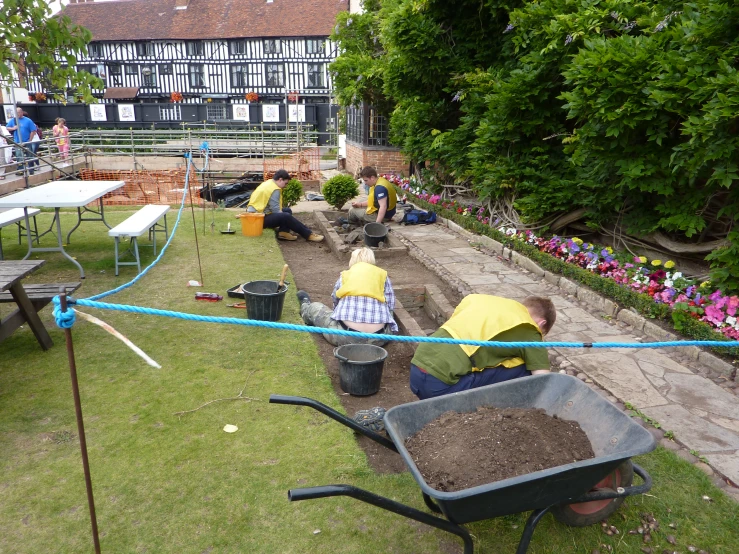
(27,158)
(247,142)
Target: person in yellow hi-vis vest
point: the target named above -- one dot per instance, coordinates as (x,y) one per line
(381,200)
(267,199)
(438,369)
(363,301)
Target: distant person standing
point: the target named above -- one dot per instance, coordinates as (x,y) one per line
(23,132)
(61,134)
(6,152)
(34,146)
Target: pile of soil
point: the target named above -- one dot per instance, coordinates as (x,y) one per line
(459,451)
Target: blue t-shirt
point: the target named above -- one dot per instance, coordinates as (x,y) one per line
(381,192)
(24,130)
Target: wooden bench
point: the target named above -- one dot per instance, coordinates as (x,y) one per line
(146,219)
(40,296)
(17,216)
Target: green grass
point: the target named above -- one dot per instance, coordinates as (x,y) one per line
(169,484)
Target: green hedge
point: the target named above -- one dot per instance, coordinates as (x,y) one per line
(626,298)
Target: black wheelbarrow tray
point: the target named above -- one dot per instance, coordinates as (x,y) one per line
(578,494)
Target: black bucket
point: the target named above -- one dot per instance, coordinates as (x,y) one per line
(374,234)
(360,368)
(262,302)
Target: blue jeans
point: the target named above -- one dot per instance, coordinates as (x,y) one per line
(424,385)
(21,155)
(34,146)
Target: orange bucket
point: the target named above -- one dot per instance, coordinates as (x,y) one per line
(252,224)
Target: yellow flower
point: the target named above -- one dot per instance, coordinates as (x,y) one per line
(705,284)
(577,240)
(609,249)
(656,263)
(669,264)
(643,259)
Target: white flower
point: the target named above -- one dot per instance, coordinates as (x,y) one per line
(731,320)
(668,283)
(677,275)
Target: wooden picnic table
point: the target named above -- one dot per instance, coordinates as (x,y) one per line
(30,299)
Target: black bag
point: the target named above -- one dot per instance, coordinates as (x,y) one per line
(418,217)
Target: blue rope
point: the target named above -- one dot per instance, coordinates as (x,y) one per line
(63,318)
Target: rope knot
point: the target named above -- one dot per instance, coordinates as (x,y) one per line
(64,320)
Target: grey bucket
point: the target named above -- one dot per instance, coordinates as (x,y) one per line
(360,368)
(374,234)
(262,300)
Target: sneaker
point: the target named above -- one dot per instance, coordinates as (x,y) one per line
(315,237)
(286,236)
(303,297)
(372,419)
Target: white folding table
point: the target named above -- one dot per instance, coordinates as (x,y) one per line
(57,195)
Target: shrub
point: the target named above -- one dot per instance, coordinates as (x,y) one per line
(339,189)
(292,192)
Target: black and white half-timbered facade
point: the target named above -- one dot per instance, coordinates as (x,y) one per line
(208,50)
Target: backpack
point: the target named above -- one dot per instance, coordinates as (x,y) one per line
(418,217)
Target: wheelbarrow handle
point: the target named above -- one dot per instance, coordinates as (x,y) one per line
(333,414)
(326,491)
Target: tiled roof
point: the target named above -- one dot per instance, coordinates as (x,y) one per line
(124,20)
(121,93)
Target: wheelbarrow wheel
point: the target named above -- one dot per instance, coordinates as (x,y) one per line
(587,513)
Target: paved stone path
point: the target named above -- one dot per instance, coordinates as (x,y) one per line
(702,415)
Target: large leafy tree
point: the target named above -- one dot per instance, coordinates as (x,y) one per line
(32,39)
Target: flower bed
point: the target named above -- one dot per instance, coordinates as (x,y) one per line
(653,288)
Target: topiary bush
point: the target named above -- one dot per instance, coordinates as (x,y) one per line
(339,189)
(292,192)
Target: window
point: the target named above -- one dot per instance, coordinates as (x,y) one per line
(216,111)
(95,50)
(272,46)
(114,69)
(149,75)
(275,75)
(144,49)
(91,69)
(315,46)
(315,75)
(239,75)
(132,69)
(170,113)
(256,72)
(195,48)
(165,69)
(238,47)
(197,75)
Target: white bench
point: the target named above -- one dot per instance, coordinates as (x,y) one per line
(146,219)
(17,216)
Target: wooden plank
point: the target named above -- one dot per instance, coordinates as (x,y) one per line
(42,292)
(13,271)
(31,316)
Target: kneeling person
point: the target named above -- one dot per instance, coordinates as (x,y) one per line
(438,369)
(363,301)
(267,199)
(381,200)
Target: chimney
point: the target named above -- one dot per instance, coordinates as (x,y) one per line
(181,4)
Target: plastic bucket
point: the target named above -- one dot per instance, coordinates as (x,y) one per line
(360,368)
(374,234)
(252,224)
(262,302)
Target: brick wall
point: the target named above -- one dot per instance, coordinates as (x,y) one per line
(383,159)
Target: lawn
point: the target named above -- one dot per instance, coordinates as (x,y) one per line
(178,484)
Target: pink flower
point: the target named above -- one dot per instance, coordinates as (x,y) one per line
(714,315)
(732,305)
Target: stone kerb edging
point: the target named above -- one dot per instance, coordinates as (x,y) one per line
(592,298)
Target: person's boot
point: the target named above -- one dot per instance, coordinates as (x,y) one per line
(314,237)
(303,297)
(282,235)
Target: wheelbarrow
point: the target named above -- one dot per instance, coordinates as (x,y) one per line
(578,494)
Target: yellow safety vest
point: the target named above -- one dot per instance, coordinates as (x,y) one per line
(392,199)
(483,317)
(363,279)
(261,195)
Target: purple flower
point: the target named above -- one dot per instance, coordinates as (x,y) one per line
(690,290)
(509,28)
(569,39)
(457,97)
(572,246)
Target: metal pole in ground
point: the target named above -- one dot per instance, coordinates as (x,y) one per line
(80,425)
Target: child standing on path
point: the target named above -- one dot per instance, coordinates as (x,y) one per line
(61,134)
